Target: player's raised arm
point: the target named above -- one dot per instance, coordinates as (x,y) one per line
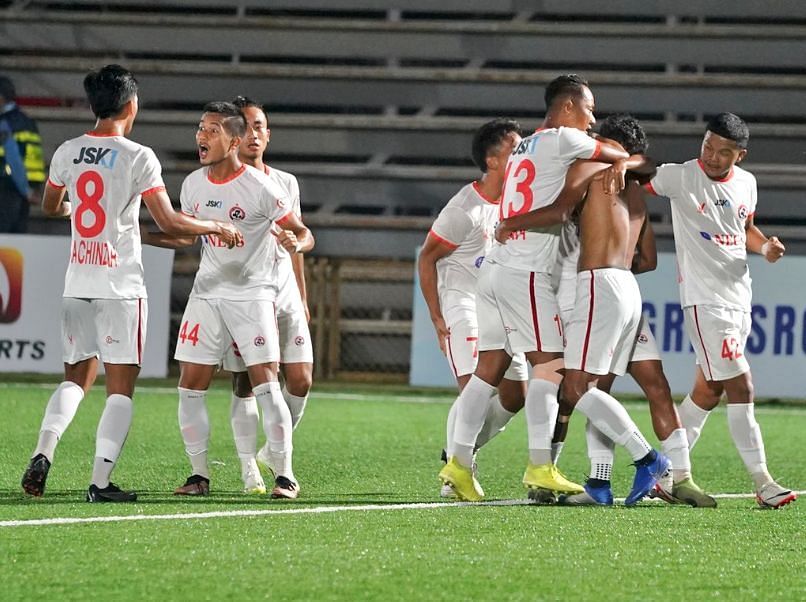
(177,224)
(771,248)
(434,249)
(576,185)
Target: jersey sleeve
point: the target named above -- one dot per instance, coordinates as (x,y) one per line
(753,195)
(296,207)
(56,174)
(185,199)
(148,173)
(575,144)
(666,180)
(452,226)
(276,203)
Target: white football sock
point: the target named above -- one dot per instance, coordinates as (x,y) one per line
(113,427)
(496,421)
(471,410)
(600,451)
(59,413)
(244,418)
(194,423)
(693,418)
(675,447)
(296,405)
(277,426)
(610,417)
(541,415)
(451,427)
(747,437)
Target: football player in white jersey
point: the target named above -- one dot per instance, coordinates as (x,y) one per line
(104,307)
(713,202)
(516,306)
(448,266)
(604,323)
(296,352)
(233,294)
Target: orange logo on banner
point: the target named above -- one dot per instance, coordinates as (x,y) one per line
(10,284)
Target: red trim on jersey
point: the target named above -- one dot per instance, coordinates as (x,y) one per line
(450,357)
(540,130)
(650,189)
(702,344)
(139,332)
(97,135)
(725,179)
(597,151)
(282,219)
(533,303)
(154,190)
(442,241)
(229,179)
(477,188)
(590,325)
(53,184)
(266,169)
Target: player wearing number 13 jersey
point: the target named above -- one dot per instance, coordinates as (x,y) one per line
(104,307)
(713,203)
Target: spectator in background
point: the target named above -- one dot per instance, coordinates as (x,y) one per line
(22,169)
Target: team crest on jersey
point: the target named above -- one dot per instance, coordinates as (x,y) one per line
(237,214)
(281,203)
(259,341)
(299,341)
(743,211)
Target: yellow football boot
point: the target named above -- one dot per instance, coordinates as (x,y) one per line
(548,477)
(461,480)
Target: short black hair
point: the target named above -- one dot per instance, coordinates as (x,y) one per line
(7,90)
(234,121)
(109,89)
(625,130)
(730,126)
(571,83)
(490,135)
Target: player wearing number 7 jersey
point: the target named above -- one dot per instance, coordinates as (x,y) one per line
(515,302)
(104,307)
(713,203)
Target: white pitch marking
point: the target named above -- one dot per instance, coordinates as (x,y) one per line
(38,522)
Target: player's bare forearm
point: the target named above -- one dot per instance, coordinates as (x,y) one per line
(771,248)
(427,271)
(53,202)
(298,265)
(165,241)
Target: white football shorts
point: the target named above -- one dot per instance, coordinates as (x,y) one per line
(114,329)
(209,327)
(604,323)
(517,310)
(646,348)
(718,335)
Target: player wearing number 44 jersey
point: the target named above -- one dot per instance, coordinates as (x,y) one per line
(713,203)
(233,294)
(104,308)
(515,303)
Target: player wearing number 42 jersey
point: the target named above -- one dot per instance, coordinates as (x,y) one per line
(104,307)
(713,203)
(233,294)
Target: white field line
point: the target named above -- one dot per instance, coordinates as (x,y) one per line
(38,522)
(416,399)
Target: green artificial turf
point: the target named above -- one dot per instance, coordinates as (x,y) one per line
(380,446)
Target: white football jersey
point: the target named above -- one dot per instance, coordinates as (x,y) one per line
(290,187)
(105,177)
(708,219)
(467,224)
(535,177)
(252,202)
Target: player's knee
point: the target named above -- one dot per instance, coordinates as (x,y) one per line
(574,387)
(241,385)
(551,371)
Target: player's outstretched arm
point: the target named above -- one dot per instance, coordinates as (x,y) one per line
(771,248)
(433,250)
(53,203)
(177,224)
(576,185)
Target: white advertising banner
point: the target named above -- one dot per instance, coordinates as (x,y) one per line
(776,348)
(32,272)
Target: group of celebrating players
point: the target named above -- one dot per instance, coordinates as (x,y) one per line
(543,319)
(246,309)
(528,274)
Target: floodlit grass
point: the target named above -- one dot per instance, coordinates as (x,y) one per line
(369,446)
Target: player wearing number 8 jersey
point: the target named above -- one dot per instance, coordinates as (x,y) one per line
(104,308)
(515,302)
(713,203)
(234,293)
